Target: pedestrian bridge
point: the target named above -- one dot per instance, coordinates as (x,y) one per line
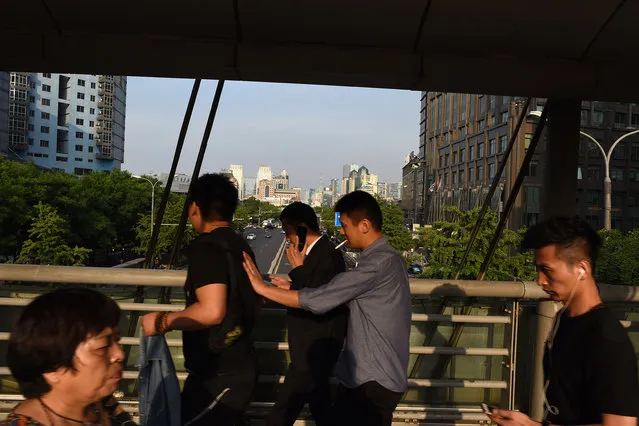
(493,361)
(545,48)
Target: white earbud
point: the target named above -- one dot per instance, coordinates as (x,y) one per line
(581,273)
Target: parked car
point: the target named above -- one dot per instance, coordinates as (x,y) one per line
(414,269)
(251,237)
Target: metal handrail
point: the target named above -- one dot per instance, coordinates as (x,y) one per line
(419,287)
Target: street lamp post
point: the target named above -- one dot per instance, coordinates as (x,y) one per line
(607,157)
(152,196)
(607,182)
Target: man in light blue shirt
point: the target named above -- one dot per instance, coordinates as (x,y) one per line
(372,368)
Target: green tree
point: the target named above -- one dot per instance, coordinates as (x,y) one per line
(618,261)
(46,244)
(168,232)
(327,218)
(446,242)
(393,226)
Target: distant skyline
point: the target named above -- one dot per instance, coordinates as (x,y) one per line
(311,131)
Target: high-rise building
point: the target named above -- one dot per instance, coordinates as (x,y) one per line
(395,191)
(347,169)
(336,187)
(264,173)
(238,174)
(250,187)
(382,190)
(4,114)
(70,122)
(465,138)
(181,182)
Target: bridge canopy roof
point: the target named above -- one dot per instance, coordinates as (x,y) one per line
(567,48)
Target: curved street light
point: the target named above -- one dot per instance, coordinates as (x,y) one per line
(152,195)
(607,157)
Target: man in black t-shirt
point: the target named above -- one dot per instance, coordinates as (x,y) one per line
(220,310)
(590,365)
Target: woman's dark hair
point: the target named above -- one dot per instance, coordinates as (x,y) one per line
(297,214)
(50,329)
(574,238)
(360,205)
(215,195)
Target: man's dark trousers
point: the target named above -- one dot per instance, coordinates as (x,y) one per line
(315,342)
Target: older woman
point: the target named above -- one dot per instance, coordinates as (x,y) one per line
(65,355)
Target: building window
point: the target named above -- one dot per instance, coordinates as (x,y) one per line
(91,123)
(635,120)
(30,141)
(79,108)
(44,129)
(454,178)
(462,179)
(92,98)
(446,159)
(593,173)
(471,153)
(31,113)
(30,127)
(90,136)
(527,140)
(32,99)
(480,150)
(46,102)
(617,199)
(44,144)
(454,157)
(584,117)
(80,95)
(91,111)
(81,82)
(46,88)
(504,117)
(634,151)
(597,118)
(616,174)
(62,159)
(491,170)
(480,174)
(482,104)
(46,74)
(462,155)
(45,115)
(79,122)
(446,182)
(621,120)
(471,175)
(505,100)
(462,107)
(533,169)
(503,143)
(482,124)
(93,85)
(619,152)
(633,175)
(79,135)
(90,149)
(79,148)
(492,146)
(90,160)
(78,159)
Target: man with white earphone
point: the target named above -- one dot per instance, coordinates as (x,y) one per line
(590,366)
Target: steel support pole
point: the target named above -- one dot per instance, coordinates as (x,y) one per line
(561,157)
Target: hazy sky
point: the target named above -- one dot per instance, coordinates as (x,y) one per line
(311,131)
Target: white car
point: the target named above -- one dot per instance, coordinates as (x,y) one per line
(250,237)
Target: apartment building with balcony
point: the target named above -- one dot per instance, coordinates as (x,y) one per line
(69,122)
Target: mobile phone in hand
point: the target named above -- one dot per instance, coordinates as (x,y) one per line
(487,408)
(301,234)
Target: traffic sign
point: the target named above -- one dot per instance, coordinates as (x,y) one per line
(337,221)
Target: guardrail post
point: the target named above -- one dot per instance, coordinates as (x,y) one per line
(546,311)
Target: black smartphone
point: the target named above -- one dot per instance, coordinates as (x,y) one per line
(301,234)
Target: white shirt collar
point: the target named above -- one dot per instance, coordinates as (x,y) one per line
(309,248)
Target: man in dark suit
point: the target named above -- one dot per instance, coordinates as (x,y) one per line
(315,341)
